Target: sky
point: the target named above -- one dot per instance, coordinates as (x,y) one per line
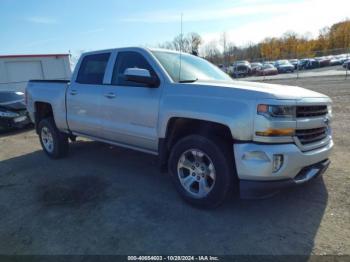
(62,26)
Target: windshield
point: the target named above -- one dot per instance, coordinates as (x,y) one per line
(193,68)
(10,96)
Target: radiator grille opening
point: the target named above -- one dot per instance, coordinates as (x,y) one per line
(308,136)
(311,111)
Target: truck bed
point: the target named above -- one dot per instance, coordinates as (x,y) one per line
(52,92)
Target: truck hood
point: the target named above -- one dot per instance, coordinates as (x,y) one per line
(262,90)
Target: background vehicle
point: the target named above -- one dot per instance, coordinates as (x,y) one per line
(346,64)
(308,64)
(254,67)
(342,57)
(323,61)
(213,134)
(266,70)
(13,113)
(294,62)
(283,66)
(241,69)
(335,61)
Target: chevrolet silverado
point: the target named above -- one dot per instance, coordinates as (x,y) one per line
(213,134)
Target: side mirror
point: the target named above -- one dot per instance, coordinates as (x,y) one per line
(142,76)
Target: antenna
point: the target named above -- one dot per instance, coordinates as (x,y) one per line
(181,43)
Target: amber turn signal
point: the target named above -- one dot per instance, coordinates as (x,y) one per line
(276,132)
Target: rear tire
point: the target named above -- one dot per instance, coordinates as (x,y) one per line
(53,142)
(189,166)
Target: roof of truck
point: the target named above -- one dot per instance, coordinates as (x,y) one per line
(129,48)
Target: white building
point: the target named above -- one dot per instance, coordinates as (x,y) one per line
(16,70)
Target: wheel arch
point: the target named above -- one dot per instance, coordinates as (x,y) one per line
(179,127)
(42,110)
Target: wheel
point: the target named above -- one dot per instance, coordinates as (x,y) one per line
(53,142)
(202,170)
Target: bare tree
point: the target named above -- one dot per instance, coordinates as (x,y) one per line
(223,41)
(195,40)
(231,52)
(188,44)
(212,52)
(181,43)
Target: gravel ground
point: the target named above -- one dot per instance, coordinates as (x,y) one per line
(109,200)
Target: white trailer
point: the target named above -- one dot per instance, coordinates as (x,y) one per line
(17,70)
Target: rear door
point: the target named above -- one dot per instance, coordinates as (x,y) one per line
(130,110)
(84,95)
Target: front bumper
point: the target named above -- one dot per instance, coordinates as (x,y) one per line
(16,122)
(254,165)
(250,189)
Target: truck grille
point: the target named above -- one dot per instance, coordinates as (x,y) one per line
(311,111)
(307,136)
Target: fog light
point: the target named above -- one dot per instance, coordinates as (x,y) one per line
(277,162)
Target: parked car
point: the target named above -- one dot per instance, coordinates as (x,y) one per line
(213,134)
(312,64)
(308,64)
(13,113)
(284,66)
(241,69)
(346,64)
(294,62)
(323,61)
(302,63)
(254,66)
(342,58)
(244,62)
(335,61)
(266,70)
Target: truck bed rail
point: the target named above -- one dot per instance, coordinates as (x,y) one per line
(49,81)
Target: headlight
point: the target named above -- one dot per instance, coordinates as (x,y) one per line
(8,114)
(276,111)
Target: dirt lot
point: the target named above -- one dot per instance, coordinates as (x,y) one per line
(108,200)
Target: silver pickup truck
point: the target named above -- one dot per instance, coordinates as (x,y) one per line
(213,134)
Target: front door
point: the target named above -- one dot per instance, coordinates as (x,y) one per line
(131,109)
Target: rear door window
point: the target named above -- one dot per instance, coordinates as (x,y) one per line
(92,69)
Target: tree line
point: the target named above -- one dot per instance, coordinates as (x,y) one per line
(331,40)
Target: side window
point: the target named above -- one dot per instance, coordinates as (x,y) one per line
(129,60)
(92,69)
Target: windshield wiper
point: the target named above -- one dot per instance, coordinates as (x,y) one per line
(188,80)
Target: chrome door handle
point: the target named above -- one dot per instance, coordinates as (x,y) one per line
(110,95)
(73,92)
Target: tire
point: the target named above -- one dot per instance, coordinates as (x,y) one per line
(58,140)
(220,155)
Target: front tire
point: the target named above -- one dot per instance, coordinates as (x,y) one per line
(202,170)
(53,142)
